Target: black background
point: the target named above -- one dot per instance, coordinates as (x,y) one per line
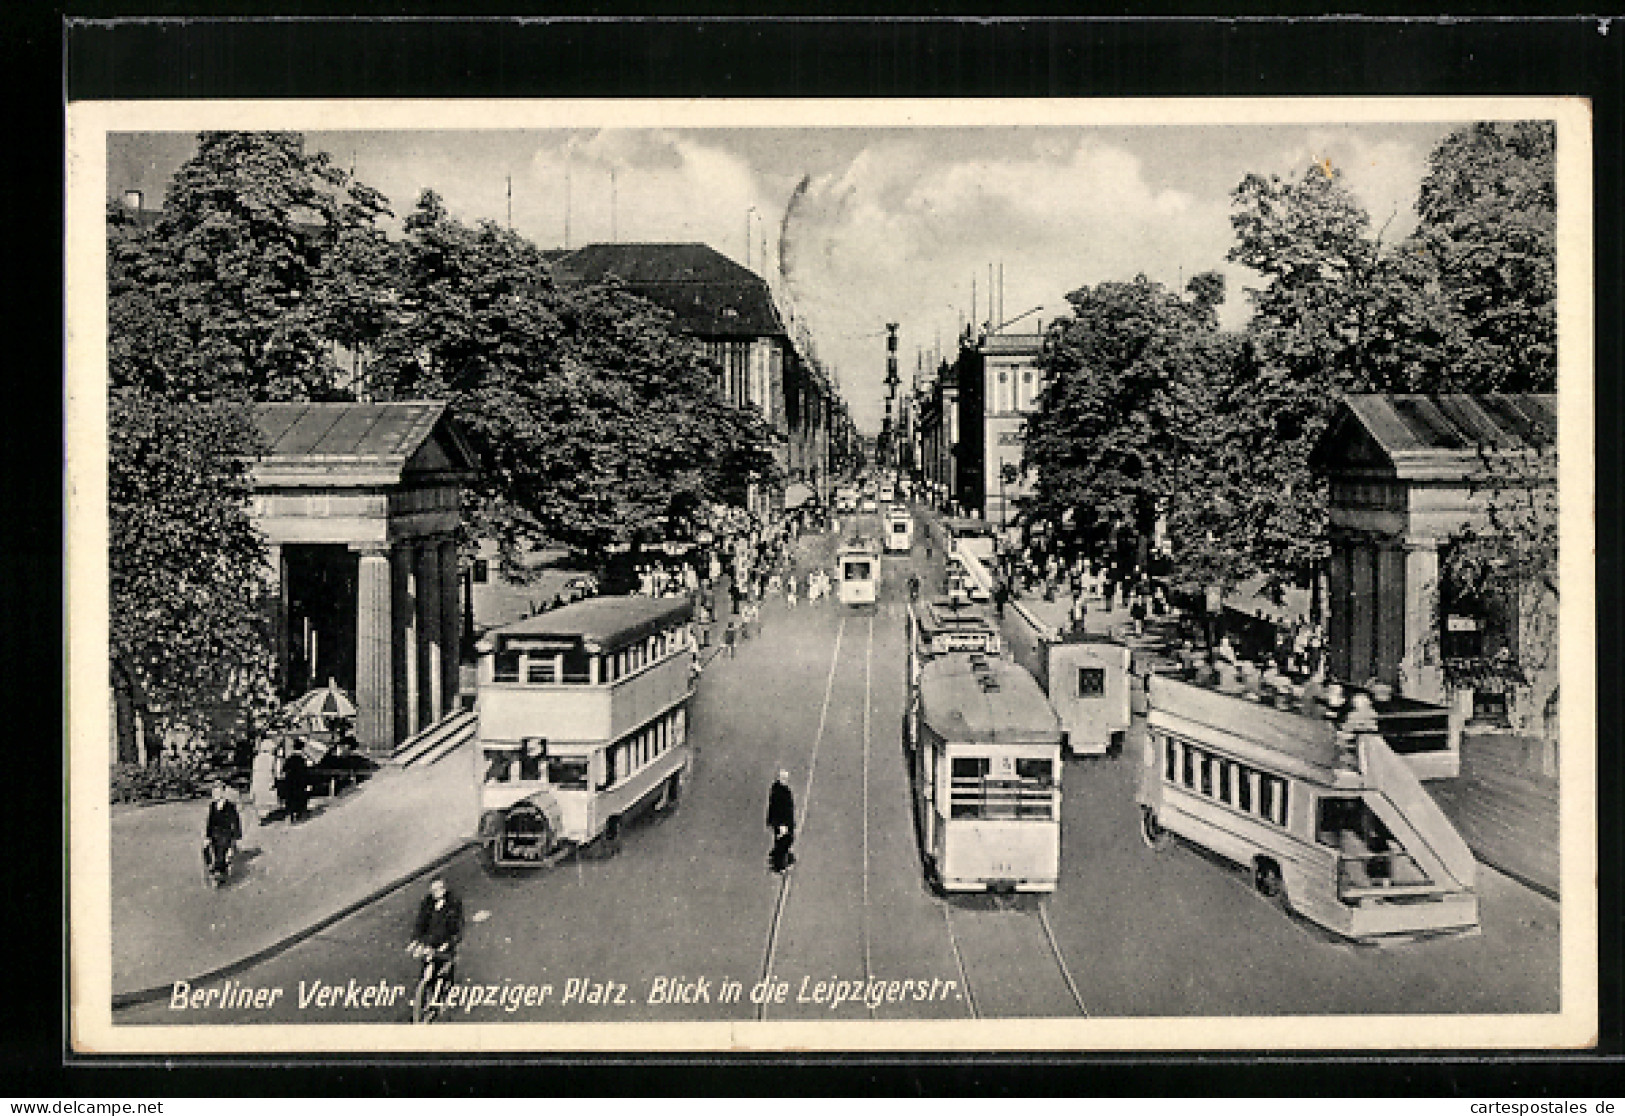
(115,51)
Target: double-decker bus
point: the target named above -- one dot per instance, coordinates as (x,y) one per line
(899,531)
(1332,823)
(1087,681)
(985,764)
(583,724)
(857,572)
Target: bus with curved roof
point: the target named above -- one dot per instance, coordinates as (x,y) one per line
(583,725)
(1330,821)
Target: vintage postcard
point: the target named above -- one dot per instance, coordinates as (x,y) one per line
(808,575)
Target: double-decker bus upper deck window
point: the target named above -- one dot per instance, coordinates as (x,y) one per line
(1189,774)
(1091,682)
(505,666)
(1245,778)
(1226,772)
(1205,764)
(567,774)
(1171,758)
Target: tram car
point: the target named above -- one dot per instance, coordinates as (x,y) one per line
(1088,683)
(583,726)
(857,571)
(985,765)
(1331,822)
(899,531)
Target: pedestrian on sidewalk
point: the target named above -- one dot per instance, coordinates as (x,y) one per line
(296,782)
(262,798)
(781,819)
(790,591)
(1137,612)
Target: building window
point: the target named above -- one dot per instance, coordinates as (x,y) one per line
(482,571)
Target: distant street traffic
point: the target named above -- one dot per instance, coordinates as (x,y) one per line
(687,923)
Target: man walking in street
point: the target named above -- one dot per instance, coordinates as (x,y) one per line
(781,819)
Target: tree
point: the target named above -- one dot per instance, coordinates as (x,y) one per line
(1488,231)
(265,256)
(1128,387)
(186,567)
(594,420)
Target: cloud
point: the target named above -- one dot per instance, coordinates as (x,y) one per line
(903,232)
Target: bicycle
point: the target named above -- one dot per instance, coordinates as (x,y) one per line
(439,974)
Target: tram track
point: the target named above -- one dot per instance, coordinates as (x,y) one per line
(787,880)
(1010,962)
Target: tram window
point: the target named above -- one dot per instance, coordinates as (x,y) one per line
(499,764)
(531,761)
(567,774)
(1091,682)
(506,666)
(1035,770)
(968,767)
(542,671)
(857,571)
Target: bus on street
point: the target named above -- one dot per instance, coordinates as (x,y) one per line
(583,725)
(1330,822)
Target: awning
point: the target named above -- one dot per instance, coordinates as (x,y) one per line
(797,494)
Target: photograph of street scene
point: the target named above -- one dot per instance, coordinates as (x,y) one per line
(587,572)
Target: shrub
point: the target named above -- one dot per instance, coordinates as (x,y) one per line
(166,779)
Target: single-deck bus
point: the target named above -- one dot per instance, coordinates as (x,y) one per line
(857,568)
(583,724)
(1332,823)
(985,761)
(899,531)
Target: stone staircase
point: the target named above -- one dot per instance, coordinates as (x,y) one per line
(437,741)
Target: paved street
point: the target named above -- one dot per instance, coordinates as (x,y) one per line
(689,905)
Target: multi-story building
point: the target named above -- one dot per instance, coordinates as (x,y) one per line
(731,311)
(971,418)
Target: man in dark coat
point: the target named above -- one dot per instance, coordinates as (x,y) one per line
(221,830)
(296,782)
(781,819)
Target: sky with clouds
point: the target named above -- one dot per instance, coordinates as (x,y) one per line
(892,224)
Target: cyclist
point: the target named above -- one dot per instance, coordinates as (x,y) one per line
(221,831)
(913,587)
(435,935)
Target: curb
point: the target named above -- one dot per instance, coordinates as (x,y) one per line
(158,992)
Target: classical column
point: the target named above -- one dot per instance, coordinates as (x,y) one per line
(277,571)
(1422,674)
(428,594)
(451,625)
(1338,588)
(374,699)
(405,638)
(1362,622)
(1390,610)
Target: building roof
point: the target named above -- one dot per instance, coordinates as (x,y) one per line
(1433,437)
(356,443)
(600,625)
(971,699)
(710,295)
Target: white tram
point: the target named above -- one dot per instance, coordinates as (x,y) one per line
(857,571)
(899,533)
(985,759)
(583,724)
(1332,823)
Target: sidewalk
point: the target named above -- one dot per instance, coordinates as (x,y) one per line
(169,925)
